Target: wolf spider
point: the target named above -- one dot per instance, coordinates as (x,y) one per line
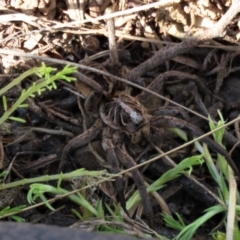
(120,117)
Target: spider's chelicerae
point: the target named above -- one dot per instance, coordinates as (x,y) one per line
(120,118)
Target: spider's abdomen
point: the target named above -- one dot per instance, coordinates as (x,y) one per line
(124,113)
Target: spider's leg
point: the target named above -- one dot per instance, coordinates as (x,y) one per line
(128,162)
(167,121)
(80,141)
(112,159)
(170,111)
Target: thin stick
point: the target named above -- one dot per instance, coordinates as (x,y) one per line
(112,41)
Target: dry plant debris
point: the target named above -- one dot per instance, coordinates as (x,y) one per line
(144,67)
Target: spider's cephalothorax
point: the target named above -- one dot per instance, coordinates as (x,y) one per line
(126,114)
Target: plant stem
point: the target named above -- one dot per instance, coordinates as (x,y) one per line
(46,178)
(17,80)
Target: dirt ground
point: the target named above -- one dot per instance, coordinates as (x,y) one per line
(144,68)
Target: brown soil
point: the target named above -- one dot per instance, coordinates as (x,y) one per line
(185,51)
